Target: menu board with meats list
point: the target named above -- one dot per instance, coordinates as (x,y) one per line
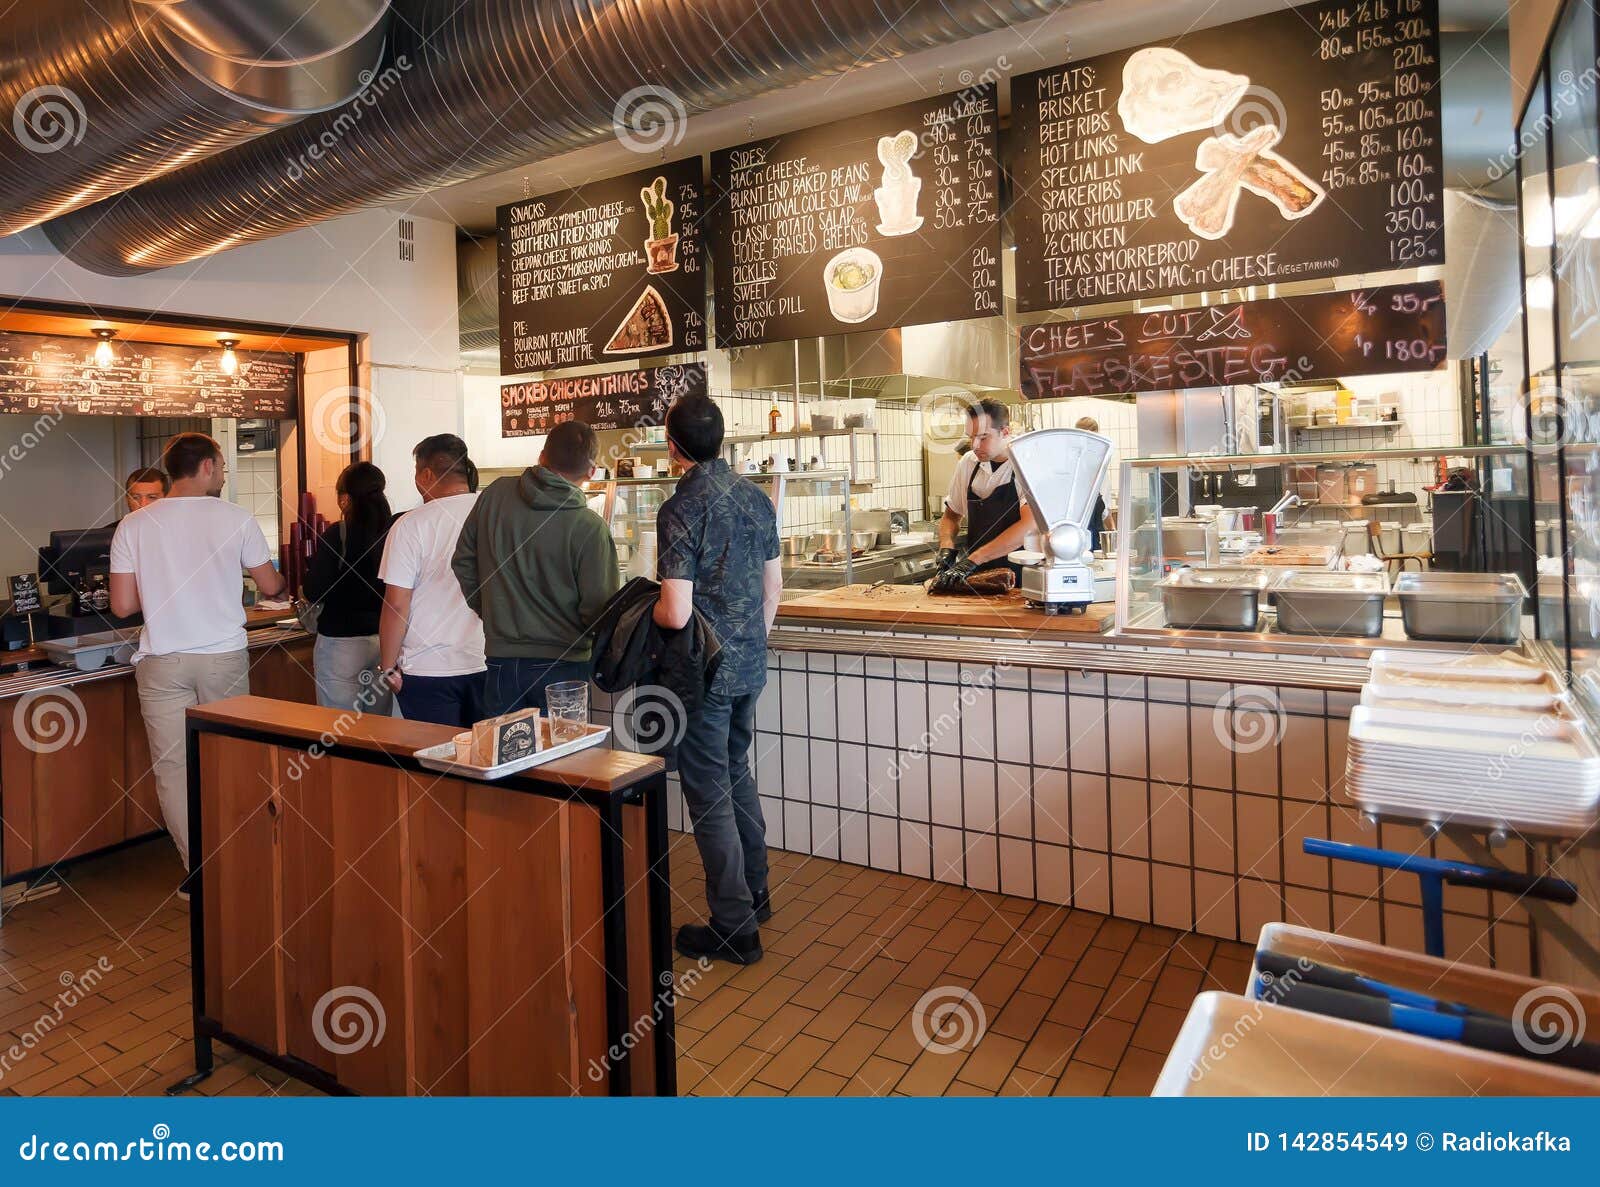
(890,218)
(43,373)
(606,272)
(616,400)
(1298,144)
(1323,336)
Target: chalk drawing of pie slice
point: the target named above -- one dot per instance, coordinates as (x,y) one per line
(647,326)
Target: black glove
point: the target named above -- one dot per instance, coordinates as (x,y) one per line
(963,566)
(944,558)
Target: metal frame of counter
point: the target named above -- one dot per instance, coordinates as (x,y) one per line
(362,800)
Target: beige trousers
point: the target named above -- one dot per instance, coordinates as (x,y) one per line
(168,686)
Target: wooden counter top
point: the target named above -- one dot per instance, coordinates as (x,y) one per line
(912,606)
(599,768)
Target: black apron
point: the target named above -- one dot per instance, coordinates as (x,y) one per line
(989,516)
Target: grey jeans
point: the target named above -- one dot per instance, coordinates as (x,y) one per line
(724,810)
(346,672)
(168,686)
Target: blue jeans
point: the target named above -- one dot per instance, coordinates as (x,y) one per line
(720,789)
(513,683)
(443,700)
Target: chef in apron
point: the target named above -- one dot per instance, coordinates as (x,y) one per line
(983,492)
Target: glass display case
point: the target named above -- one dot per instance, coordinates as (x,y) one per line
(824,540)
(1334,550)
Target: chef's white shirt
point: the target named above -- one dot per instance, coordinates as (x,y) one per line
(984,480)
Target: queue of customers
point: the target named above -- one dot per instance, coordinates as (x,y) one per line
(471,606)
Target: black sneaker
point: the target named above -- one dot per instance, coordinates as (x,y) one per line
(697,941)
(763,906)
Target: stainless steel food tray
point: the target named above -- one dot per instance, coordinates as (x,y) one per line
(1320,603)
(1213,599)
(1462,607)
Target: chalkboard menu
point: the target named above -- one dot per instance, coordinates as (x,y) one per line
(25,593)
(884,219)
(41,373)
(609,271)
(1323,336)
(1294,145)
(616,400)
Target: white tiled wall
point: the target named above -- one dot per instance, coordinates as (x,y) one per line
(255,487)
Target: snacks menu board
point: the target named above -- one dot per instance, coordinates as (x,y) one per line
(1299,144)
(615,400)
(44,373)
(885,219)
(1364,332)
(606,272)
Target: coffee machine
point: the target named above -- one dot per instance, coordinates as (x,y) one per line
(1059,472)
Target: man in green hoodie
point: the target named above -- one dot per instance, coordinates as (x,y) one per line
(537,566)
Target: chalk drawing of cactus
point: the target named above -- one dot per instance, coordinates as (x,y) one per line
(662,246)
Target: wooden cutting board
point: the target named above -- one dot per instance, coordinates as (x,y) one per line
(913,606)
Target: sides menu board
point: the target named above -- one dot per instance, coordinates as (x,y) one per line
(606,272)
(1365,332)
(40,373)
(884,219)
(617,400)
(1298,144)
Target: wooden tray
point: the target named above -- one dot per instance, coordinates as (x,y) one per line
(912,606)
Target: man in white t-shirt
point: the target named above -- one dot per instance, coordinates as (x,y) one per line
(430,642)
(179,561)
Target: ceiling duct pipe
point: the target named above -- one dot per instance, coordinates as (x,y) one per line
(469,89)
(478,289)
(105,94)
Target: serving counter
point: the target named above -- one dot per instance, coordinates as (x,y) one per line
(507,938)
(75,773)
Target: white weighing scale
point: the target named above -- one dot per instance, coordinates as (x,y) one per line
(1060,472)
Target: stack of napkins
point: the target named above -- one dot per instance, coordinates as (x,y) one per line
(1484,740)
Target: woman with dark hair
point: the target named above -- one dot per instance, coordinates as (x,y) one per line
(342,581)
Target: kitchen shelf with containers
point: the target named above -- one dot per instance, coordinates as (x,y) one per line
(1457,577)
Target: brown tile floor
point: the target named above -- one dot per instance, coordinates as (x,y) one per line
(1071,1002)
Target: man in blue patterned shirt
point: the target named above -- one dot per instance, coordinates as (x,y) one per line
(717,550)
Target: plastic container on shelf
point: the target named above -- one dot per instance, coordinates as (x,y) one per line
(826,415)
(859,414)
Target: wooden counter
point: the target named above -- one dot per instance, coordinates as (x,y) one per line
(513,937)
(911,606)
(75,773)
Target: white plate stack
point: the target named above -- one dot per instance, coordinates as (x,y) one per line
(1489,741)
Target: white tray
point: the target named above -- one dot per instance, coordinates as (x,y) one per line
(443,756)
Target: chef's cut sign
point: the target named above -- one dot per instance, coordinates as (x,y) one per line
(1362,332)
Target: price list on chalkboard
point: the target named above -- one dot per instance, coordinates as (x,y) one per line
(633,399)
(1376,331)
(608,271)
(1299,144)
(885,219)
(45,373)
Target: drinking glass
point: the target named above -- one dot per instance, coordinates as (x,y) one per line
(568,705)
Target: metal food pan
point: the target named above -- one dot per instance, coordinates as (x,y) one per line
(1319,603)
(1213,599)
(1462,607)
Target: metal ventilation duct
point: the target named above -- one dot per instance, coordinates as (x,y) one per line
(478,289)
(106,94)
(470,88)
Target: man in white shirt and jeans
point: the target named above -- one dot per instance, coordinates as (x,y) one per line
(180,561)
(430,643)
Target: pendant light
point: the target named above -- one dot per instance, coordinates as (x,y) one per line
(104,356)
(230,361)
